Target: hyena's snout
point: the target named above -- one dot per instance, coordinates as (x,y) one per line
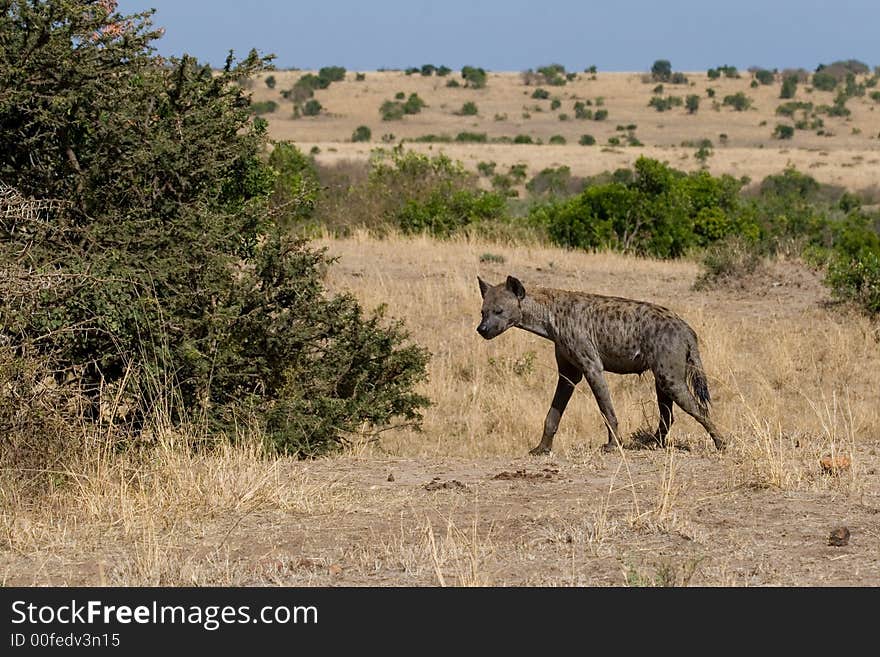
(483,330)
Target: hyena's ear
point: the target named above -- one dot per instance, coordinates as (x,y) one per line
(484,286)
(514,285)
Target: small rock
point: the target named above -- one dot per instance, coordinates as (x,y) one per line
(335,570)
(839,537)
(390,476)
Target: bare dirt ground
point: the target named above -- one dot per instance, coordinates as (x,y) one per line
(794,379)
(847,153)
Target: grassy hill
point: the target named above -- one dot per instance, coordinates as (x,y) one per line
(842,150)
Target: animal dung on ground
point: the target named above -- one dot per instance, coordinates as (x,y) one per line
(437,484)
(546,473)
(834,464)
(839,537)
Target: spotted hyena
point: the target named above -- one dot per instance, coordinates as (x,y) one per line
(595,334)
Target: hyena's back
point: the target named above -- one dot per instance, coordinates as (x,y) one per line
(627,336)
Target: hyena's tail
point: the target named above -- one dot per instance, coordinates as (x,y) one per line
(696,378)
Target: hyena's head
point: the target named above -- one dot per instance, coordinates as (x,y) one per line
(501,306)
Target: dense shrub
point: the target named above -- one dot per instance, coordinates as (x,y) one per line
(472,137)
(413,104)
(361,133)
(557,140)
(391,110)
(764,76)
(312,107)
(270,81)
(657,211)
(600,115)
(553,74)
(663,103)
(468,109)
(692,103)
(264,107)
(581,111)
(587,140)
(159,262)
(857,279)
(738,101)
(661,70)
(445,213)
(475,78)
(556,181)
(789,87)
(783,131)
(824,81)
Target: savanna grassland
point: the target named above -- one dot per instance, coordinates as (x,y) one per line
(846,153)
(793,380)
(188,487)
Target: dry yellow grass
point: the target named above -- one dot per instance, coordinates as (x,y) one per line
(848,154)
(792,380)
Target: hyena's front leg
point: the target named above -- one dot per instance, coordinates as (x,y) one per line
(595,377)
(569,375)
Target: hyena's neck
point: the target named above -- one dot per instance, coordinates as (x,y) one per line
(537,315)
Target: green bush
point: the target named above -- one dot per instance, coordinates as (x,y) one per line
(557,139)
(600,115)
(657,211)
(445,213)
(475,78)
(329,74)
(270,81)
(789,87)
(427,70)
(443,71)
(361,133)
(554,74)
(587,140)
(472,137)
(581,111)
(391,110)
(523,139)
(783,131)
(486,168)
(555,104)
(661,70)
(824,81)
(738,101)
(857,279)
(692,103)
(413,104)
(540,94)
(163,271)
(661,103)
(556,181)
(312,108)
(789,108)
(468,109)
(264,107)
(765,77)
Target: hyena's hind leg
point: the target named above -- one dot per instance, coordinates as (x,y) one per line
(569,376)
(681,395)
(664,402)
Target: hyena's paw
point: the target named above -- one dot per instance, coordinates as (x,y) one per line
(540,450)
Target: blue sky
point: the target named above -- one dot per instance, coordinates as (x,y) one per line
(615,35)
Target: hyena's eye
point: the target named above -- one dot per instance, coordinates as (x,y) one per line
(498,311)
